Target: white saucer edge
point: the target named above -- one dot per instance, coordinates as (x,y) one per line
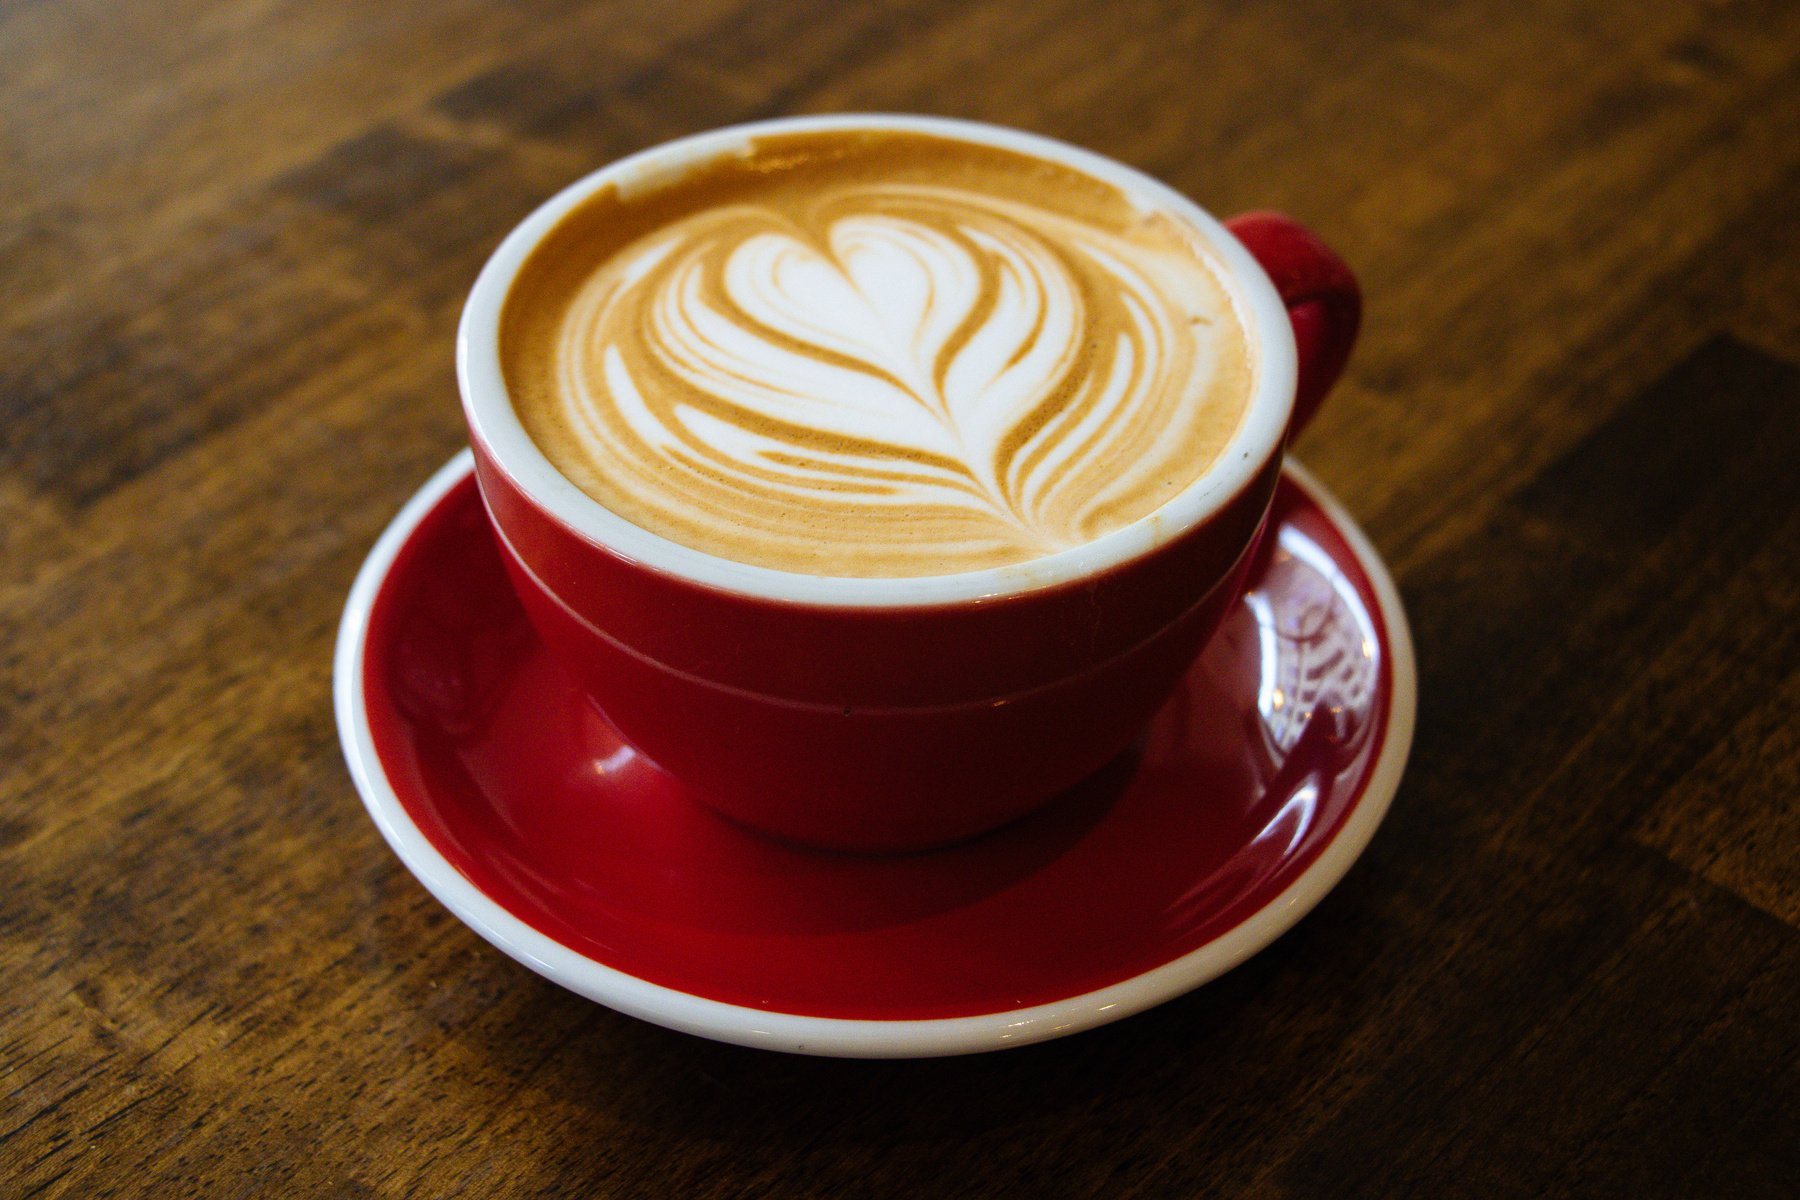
(834,1036)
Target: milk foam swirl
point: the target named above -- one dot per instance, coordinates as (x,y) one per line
(892,378)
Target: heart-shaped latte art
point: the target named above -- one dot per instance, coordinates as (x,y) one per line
(906,379)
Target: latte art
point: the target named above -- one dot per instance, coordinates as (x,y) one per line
(835,371)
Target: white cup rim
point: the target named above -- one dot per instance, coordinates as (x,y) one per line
(494,423)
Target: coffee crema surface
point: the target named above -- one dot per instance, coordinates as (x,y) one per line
(876,353)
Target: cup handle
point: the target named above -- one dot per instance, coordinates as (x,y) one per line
(1322,299)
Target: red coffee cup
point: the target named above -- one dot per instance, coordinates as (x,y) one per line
(898,714)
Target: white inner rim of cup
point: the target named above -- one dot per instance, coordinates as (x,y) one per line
(497,426)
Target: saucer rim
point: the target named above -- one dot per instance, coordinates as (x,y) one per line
(859,1037)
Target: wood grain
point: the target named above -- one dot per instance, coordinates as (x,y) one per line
(234,237)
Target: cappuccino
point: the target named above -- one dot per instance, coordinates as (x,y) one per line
(866,353)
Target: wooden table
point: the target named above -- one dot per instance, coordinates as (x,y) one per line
(234,241)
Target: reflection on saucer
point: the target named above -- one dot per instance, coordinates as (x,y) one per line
(1317,643)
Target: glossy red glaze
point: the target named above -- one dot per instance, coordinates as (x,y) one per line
(891,657)
(895,728)
(874,729)
(1322,298)
(1240,781)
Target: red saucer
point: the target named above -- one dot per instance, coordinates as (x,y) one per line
(509,795)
